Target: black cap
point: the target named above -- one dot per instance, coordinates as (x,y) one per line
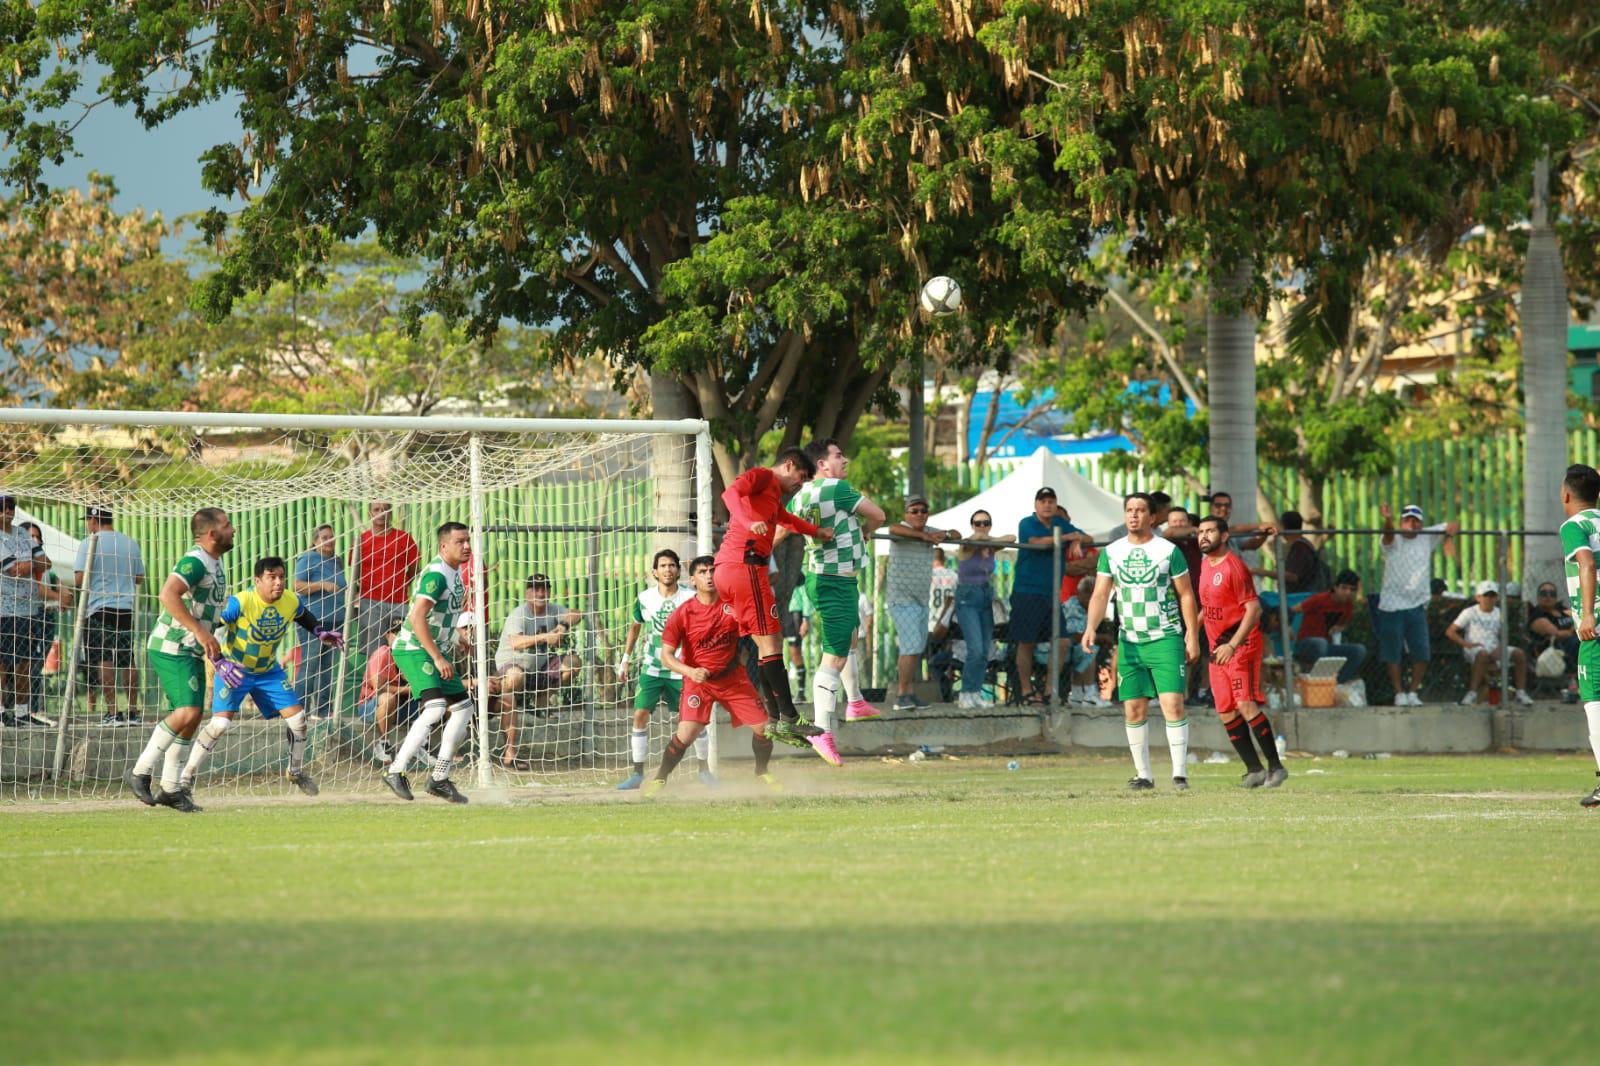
(537,581)
(1046,493)
(99,514)
(8,502)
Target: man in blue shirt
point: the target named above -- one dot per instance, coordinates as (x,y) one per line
(112,580)
(1033,585)
(319,582)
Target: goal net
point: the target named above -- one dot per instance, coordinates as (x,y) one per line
(565,516)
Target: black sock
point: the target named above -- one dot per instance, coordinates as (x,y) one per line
(638,768)
(1239,737)
(761,746)
(1269,743)
(777,680)
(671,757)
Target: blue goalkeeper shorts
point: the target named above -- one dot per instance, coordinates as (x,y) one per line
(269,690)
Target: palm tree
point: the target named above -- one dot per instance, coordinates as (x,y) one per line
(1231,385)
(1544,387)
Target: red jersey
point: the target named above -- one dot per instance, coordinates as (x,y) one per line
(386,562)
(1321,614)
(1225,590)
(704,634)
(756,496)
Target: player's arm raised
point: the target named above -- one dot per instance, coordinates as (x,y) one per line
(736,497)
(1191,617)
(417,618)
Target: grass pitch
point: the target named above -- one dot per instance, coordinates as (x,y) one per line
(1411,910)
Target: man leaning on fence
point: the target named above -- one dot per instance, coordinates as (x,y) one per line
(909,582)
(1402,621)
(112,577)
(319,582)
(1033,589)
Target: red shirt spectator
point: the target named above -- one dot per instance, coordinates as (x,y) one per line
(1321,613)
(387,562)
(1070,582)
(381,672)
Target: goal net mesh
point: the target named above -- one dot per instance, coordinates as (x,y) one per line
(569,523)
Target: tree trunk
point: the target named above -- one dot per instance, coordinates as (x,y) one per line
(672,467)
(1231,387)
(1544,389)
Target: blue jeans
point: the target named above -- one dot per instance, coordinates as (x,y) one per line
(975,616)
(1314,648)
(319,671)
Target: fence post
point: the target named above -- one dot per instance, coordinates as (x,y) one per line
(1055,622)
(702,546)
(70,661)
(479,604)
(1286,634)
(1503,546)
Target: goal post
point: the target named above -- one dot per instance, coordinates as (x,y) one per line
(564,516)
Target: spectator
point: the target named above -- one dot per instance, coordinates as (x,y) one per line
(382,565)
(1180,529)
(386,699)
(319,582)
(22,564)
(1551,624)
(941,596)
(910,581)
(52,598)
(1323,617)
(1243,536)
(1402,620)
(1033,583)
(1303,568)
(1477,631)
(107,639)
(975,607)
(1080,661)
(528,658)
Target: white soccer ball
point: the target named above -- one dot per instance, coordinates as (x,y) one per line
(941,296)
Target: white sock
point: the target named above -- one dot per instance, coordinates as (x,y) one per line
(161,738)
(1139,746)
(432,713)
(297,742)
(204,741)
(851,679)
(1178,745)
(454,730)
(824,695)
(22,709)
(1591,711)
(172,764)
(702,745)
(639,746)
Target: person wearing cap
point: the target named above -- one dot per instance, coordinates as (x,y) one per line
(528,657)
(319,582)
(1033,589)
(1402,620)
(22,564)
(910,578)
(113,580)
(1476,631)
(382,564)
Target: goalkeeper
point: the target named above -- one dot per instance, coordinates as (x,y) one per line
(251,626)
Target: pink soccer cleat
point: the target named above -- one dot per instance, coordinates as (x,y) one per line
(858,710)
(823,743)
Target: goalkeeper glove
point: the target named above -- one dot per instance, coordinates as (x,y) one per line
(331,637)
(232,673)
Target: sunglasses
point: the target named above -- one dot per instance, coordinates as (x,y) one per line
(1547,592)
(982,525)
(918,510)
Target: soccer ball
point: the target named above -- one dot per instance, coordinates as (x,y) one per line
(941,296)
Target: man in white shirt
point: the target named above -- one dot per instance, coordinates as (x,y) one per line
(1402,619)
(1477,631)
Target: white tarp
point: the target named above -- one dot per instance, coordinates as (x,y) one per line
(1009,500)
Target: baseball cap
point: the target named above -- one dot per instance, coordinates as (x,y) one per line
(465,620)
(912,501)
(537,581)
(1045,493)
(99,514)
(1411,510)
(8,502)
(1486,588)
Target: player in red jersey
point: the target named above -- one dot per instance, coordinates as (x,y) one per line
(701,643)
(755,510)
(1232,614)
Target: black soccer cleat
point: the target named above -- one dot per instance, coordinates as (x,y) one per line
(445,790)
(1592,800)
(1253,779)
(1141,784)
(302,781)
(180,800)
(784,733)
(398,785)
(802,728)
(1276,777)
(1180,784)
(140,783)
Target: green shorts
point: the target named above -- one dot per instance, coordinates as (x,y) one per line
(182,677)
(424,679)
(1150,669)
(1589,671)
(654,690)
(837,601)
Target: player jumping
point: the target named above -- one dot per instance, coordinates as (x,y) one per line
(437,599)
(179,644)
(755,506)
(657,684)
(701,644)
(253,623)
(1232,614)
(1153,638)
(829,501)
(1580,540)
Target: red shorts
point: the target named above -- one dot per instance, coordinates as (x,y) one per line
(1239,680)
(747,588)
(733,690)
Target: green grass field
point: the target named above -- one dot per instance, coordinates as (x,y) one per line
(1412,910)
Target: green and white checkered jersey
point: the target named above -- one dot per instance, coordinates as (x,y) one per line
(651,610)
(1147,604)
(208,592)
(1582,530)
(831,503)
(441,584)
